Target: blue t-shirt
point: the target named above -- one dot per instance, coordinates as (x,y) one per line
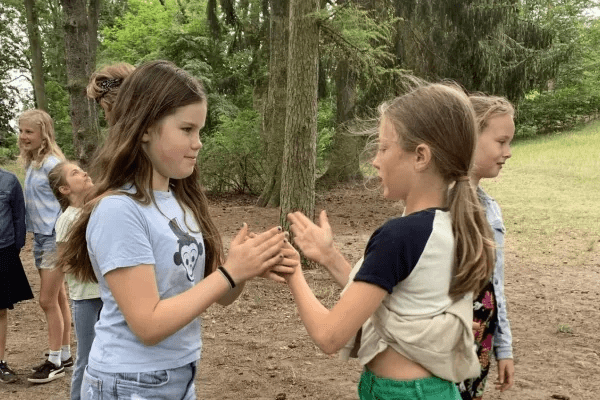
(124,233)
(42,207)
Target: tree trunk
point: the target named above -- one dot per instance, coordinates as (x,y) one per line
(300,148)
(93,16)
(80,65)
(344,164)
(275,106)
(37,71)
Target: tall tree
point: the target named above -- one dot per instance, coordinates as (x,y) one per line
(299,154)
(274,113)
(80,64)
(37,63)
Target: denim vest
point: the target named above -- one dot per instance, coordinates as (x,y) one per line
(503,335)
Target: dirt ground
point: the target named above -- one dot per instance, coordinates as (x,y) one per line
(257,348)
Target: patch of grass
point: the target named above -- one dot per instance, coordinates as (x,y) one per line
(564,328)
(550,189)
(15,168)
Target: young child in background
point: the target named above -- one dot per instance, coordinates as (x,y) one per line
(148,239)
(39,154)
(104,85)
(492,328)
(70,184)
(14,286)
(412,292)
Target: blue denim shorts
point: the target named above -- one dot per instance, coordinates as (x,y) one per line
(176,383)
(44,250)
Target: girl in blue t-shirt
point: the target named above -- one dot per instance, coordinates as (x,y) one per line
(39,154)
(148,239)
(410,298)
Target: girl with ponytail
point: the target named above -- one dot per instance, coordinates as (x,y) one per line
(406,310)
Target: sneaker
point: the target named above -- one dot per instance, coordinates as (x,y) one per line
(47,373)
(68,364)
(7,375)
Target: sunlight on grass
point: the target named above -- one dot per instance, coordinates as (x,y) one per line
(550,189)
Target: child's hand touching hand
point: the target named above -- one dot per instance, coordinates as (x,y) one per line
(252,254)
(315,241)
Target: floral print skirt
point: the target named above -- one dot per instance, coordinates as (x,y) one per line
(485,312)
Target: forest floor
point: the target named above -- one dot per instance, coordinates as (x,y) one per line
(257,348)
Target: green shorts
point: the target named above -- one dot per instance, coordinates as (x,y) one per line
(372,387)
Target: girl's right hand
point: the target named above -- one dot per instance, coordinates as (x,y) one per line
(252,256)
(315,241)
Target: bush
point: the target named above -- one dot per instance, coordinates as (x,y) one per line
(231,158)
(562,109)
(9,150)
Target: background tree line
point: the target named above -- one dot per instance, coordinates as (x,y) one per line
(288,79)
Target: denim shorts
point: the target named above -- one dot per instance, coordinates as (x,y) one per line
(175,384)
(44,250)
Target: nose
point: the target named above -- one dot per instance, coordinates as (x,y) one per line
(375,163)
(508,153)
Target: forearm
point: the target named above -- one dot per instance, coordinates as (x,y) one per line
(170,315)
(312,313)
(232,295)
(338,267)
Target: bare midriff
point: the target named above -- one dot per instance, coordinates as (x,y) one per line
(392,365)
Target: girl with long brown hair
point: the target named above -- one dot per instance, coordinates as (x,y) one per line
(148,239)
(410,297)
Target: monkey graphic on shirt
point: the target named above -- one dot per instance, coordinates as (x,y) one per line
(189,250)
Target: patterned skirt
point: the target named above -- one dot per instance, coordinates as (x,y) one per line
(485,312)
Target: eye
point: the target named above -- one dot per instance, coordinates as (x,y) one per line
(188,129)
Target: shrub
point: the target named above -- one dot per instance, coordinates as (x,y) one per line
(231,158)
(562,109)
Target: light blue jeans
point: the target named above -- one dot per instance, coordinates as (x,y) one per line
(172,384)
(85,315)
(44,250)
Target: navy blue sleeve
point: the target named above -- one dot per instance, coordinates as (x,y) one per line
(394,250)
(18,211)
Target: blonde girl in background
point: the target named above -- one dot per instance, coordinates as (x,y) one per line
(70,185)
(490,319)
(410,299)
(39,153)
(148,239)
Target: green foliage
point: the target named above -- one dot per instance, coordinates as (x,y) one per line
(231,158)
(558,110)
(58,108)
(9,150)
(325,132)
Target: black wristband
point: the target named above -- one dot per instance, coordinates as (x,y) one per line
(227,276)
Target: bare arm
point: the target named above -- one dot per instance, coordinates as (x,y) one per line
(316,243)
(332,329)
(153,319)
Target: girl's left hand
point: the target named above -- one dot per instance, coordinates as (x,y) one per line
(289,265)
(506,374)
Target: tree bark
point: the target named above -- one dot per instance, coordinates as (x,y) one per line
(80,64)
(35,44)
(275,106)
(300,147)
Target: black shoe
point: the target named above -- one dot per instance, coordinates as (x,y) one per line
(7,375)
(68,363)
(47,373)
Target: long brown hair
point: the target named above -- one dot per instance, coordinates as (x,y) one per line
(56,179)
(152,92)
(441,116)
(42,120)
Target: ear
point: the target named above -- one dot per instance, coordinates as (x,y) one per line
(422,157)
(64,190)
(146,137)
